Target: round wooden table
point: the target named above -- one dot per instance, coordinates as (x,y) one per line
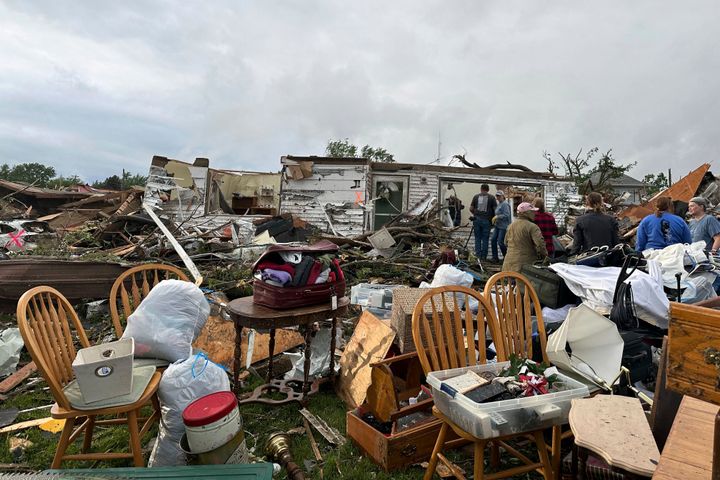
(246,314)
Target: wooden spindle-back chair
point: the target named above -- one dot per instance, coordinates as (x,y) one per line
(515,303)
(444,336)
(51,329)
(134,285)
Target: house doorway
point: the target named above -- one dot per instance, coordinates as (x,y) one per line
(390,193)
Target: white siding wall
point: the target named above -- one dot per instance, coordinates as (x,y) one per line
(334,189)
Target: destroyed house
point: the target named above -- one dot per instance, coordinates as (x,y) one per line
(194,193)
(351,196)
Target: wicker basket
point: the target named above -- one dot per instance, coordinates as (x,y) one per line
(404,301)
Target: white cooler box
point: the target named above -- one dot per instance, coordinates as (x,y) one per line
(105,371)
(504,417)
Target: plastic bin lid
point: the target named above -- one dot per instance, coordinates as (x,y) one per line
(208,409)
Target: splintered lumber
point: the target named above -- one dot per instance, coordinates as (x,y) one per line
(329,433)
(16,378)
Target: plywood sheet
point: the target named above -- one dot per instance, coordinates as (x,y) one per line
(370,343)
(217,339)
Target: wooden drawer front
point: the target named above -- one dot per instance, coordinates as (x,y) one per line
(396,451)
(694,332)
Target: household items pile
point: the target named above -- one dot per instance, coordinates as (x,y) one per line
(531,398)
(291,275)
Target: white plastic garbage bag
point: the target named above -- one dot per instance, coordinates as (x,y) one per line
(596,286)
(11,343)
(449,275)
(168,320)
(182,383)
(596,346)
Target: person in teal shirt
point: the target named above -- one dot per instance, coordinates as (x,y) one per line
(704,227)
(662,229)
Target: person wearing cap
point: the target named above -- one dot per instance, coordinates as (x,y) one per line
(524,240)
(662,229)
(482,208)
(546,222)
(500,222)
(703,227)
(594,228)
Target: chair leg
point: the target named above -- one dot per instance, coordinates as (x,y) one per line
(87,439)
(494,455)
(135,448)
(437,449)
(63,442)
(555,451)
(543,453)
(479,460)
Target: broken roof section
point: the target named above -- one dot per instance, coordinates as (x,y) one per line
(42,200)
(184,190)
(683,190)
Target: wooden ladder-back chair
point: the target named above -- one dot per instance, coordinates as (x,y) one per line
(48,324)
(134,285)
(515,303)
(445,338)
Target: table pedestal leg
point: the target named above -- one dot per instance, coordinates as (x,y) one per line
(716,450)
(271,348)
(333,333)
(238,356)
(306,367)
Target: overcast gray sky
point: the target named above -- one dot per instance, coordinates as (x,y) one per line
(93,87)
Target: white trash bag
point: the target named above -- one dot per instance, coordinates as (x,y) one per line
(168,320)
(181,384)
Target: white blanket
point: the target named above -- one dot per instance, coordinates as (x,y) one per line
(596,286)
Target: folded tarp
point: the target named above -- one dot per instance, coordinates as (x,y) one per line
(596,286)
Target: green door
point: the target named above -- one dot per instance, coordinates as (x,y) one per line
(390,202)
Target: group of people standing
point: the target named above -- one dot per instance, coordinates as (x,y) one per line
(529,238)
(524,240)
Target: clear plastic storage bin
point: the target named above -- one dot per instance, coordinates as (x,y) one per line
(105,371)
(504,417)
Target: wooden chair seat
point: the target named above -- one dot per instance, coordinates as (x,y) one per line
(58,412)
(48,324)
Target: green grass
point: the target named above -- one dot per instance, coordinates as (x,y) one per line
(260,421)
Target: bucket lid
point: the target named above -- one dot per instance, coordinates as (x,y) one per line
(208,409)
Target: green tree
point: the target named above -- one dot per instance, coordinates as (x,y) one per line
(345,149)
(580,168)
(61,182)
(655,183)
(112,182)
(116,182)
(32,173)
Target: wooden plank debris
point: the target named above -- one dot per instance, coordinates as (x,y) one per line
(329,433)
(16,378)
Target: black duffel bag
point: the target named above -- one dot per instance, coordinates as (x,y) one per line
(549,286)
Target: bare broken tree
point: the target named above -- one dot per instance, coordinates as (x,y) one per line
(578,169)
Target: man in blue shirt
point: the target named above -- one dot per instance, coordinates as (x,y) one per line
(662,229)
(704,227)
(500,221)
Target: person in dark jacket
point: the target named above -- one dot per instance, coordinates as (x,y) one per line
(594,228)
(482,208)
